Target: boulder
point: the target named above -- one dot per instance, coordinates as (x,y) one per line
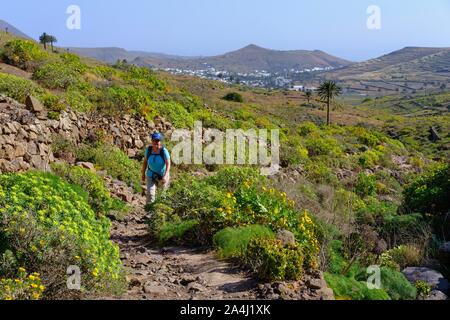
(34,104)
(286,237)
(432,277)
(87,165)
(436,295)
(154,289)
(32,148)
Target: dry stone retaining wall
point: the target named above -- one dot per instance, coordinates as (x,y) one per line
(27,133)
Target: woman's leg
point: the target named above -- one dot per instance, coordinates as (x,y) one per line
(151,190)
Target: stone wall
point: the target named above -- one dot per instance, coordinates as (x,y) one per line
(27,133)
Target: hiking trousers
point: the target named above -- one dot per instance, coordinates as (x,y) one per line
(152,186)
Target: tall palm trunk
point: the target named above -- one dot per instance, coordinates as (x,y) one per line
(328,111)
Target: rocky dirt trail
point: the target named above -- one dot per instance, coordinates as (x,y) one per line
(177,273)
(173,273)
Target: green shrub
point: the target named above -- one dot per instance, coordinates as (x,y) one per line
(402,256)
(336,262)
(99,196)
(375,211)
(403,228)
(396,285)
(176,114)
(423,288)
(46,225)
(345,288)
(18,88)
(231,178)
(24,287)
(318,146)
(23,53)
(271,261)
(233,242)
(57,75)
(53,103)
(430,192)
(115,162)
(369,159)
(177,232)
(307,128)
(77,97)
(234,97)
(366,185)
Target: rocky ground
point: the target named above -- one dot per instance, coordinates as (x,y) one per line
(175,273)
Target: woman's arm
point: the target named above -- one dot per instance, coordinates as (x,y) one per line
(168,166)
(144,169)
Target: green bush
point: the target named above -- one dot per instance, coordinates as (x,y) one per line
(430,192)
(423,288)
(403,228)
(18,88)
(271,261)
(231,178)
(99,196)
(345,288)
(177,232)
(403,256)
(233,242)
(366,185)
(307,128)
(318,146)
(369,159)
(396,285)
(117,99)
(46,225)
(234,97)
(57,75)
(23,53)
(115,162)
(176,114)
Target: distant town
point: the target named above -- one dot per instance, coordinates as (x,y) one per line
(289,79)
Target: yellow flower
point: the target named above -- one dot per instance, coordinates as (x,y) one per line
(31,277)
(41,287)
(229,195)
(22,269)
(8,298)
(18,281)
(34,286)
(220,209)
(77,257)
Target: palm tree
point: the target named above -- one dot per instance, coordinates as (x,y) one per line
(327,92)
(43,39)
(308,95)
(52,40)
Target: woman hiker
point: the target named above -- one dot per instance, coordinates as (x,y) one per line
(156,167)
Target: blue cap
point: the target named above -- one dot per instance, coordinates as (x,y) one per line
(157,136)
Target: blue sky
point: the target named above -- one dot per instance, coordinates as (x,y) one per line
(209,27)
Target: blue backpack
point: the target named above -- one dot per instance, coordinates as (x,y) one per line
(160,154)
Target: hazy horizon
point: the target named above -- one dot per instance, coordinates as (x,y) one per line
(206,28)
